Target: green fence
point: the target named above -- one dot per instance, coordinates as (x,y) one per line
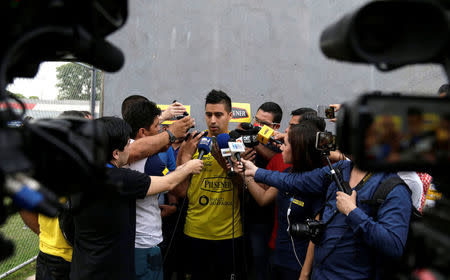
(26,244)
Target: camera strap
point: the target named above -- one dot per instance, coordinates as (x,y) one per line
(357,188)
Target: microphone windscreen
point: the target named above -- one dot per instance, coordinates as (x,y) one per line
(246,126)
(222,140)
(234,135)
(205,145)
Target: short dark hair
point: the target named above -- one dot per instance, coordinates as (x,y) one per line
(301,111)
(72,114)
(274,108)
(305,156)
(126,103)
(218,96)
(141,114)
(314,120)
(118,133)
(443,89)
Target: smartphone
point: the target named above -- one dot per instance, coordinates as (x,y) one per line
(195,135)
(325,141)
(325,112)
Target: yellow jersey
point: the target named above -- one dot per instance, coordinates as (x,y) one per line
(51,239)
(211,204)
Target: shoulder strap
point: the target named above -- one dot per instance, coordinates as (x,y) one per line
(382,191)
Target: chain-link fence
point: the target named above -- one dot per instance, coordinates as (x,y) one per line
(57,87)
(26,244)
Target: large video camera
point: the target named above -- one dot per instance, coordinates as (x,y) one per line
(399,132)
(44,159)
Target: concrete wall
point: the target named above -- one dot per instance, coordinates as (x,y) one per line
(256,51)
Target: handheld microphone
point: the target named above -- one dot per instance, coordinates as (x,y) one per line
(222,141)
(204,147)
(265,135)
(236,144)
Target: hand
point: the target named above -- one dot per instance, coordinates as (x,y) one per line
(174,109)
(217,155)
(346,203)
(167,210)
(188,147)
(179,128)
(250,167)
(336,108)
(195,166)
(249,154)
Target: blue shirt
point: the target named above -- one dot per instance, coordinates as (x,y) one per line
(351,245)
(302,208)
(168,158)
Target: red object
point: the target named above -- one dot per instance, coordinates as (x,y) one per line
(276,164)
(426,182)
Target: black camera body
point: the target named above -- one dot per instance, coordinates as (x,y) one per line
(310,229)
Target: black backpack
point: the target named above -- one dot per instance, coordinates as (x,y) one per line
(392,268)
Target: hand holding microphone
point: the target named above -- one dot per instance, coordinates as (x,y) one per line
(204,147)
(222,141)
(236,145)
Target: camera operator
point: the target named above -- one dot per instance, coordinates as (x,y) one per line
(299,150)
(354,244)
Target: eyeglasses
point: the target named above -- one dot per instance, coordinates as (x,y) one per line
(256,120)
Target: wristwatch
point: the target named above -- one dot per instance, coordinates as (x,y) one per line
(172,137)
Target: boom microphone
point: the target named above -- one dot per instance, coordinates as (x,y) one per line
(204,147)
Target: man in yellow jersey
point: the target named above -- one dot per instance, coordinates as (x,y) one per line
(213,229)
(55,254)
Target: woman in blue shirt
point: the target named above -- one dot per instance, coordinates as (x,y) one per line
(299,150)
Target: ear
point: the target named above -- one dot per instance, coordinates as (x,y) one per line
(140,133)
(230,114)
(276,127)
(116,154)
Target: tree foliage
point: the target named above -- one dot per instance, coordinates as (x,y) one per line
(74,82)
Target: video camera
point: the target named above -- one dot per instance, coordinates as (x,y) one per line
(400,132)
(44,159)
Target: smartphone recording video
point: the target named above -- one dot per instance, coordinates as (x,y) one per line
(325,112)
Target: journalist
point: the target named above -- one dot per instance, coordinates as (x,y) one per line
(356,243)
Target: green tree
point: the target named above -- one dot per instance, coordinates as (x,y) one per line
(33,97)
(74,82)
(19,95)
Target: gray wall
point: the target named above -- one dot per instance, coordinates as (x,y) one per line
(256,51)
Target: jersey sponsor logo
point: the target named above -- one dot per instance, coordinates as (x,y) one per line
(203,200)
(216,184)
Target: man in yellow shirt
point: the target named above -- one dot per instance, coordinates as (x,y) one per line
(213,229)
(55,254)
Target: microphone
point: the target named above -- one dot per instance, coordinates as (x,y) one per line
(222,141)
(265,135)
(236,144)
(204,147)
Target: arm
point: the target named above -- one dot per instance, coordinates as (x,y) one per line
(170,181)
(31,220)
(312,182)
(147,146)
(265,152)
(305,274)
(264,195)
(388,234)
(169,209)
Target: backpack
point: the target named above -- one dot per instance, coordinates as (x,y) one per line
(392,268)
